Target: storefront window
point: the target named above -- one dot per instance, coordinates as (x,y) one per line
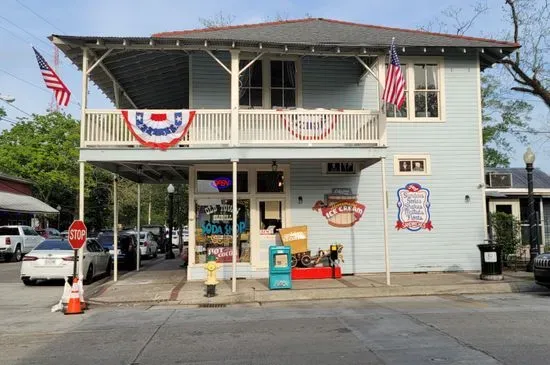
(270,182)
(215,227)
(221,182)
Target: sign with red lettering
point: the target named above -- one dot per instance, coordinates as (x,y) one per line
(223,253)
(341,208)
(77,234)
(221,183)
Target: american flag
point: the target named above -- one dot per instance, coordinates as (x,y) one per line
(62,93)
(394,89)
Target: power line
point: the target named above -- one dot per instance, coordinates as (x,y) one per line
(40,16)
(23,39)
(21,110)
(4,119)
(29,33)
(77,102)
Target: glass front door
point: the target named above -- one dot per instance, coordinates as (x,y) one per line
(271,215)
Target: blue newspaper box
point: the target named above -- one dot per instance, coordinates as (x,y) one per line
(280,267)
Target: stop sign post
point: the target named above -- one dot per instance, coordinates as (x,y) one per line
(77,237)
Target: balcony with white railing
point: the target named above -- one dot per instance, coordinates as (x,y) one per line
(256,127)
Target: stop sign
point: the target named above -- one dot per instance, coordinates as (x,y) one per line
(77,234)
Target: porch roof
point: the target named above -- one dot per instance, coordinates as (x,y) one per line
(149,70)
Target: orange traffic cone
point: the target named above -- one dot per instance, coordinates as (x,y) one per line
(74,301)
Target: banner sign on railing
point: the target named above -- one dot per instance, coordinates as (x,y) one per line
(309,126)
(158,130)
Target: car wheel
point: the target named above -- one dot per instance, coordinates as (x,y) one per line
(89,275)
(18,255)
(28,282)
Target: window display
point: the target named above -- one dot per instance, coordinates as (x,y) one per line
(214,230)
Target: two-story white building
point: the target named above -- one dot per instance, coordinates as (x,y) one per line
(283,122)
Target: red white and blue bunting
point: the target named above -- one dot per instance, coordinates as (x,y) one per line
(158,130)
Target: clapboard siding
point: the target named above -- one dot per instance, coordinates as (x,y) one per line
(454,148)
(363,243)
(331,83)
(210,82)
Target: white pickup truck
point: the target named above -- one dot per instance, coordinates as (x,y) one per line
(15,241)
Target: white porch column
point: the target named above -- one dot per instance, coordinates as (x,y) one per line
(115,228)
(138,225)
(234,98)
(385,220)
(82,167)
(234,258)
(82,140)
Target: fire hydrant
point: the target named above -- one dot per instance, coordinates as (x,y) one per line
(211,268)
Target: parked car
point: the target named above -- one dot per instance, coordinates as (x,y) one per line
(541,269)
(64,234)
(148,245)
(16,241)
(159,233)
(127,248)
(49,233)
(54,259)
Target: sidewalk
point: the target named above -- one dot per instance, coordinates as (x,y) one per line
(164,282)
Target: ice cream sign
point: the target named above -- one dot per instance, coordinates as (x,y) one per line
(341,208)
(413,208)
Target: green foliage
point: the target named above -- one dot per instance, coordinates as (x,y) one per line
(502,118)
(2,112)
(44,149)
(506,232)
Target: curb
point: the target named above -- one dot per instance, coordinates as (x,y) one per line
(266,296)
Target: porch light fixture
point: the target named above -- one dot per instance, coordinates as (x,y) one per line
(466,198)
(300,200)
(260,46)
(312,49)
(403,49)
(529,159)
(286,48)
(337,49)
(274,166)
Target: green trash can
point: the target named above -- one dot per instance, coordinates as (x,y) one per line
(491,261)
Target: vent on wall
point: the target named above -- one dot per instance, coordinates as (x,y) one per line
(500,180)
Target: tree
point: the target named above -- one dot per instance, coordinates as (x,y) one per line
(217,20)
(502,117)
(528,66)
(529,21)
(44,149)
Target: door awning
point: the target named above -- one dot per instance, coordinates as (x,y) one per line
(10,202)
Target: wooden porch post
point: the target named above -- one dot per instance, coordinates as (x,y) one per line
(234,97)
(385,213)
(82,164)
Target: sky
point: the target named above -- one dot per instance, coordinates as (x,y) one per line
(29,22)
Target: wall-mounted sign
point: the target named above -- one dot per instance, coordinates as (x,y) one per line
(221,183)
(340,208)
(413,208)
(158,130)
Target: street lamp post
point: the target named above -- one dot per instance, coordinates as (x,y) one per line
(529,159)
(58,217)
(169,252)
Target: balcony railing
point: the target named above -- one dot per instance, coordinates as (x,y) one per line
(105,128)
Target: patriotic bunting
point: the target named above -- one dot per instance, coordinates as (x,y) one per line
(158,130)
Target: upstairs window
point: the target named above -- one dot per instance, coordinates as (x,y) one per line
(250,84)
(283,84)
(422,93)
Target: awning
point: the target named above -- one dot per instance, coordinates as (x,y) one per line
(10,202)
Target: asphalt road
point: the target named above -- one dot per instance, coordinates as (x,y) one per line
(466,329)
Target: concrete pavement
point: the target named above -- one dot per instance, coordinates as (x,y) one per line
(164,282)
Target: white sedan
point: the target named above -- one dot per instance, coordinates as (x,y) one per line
(148,245)
(54,259)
